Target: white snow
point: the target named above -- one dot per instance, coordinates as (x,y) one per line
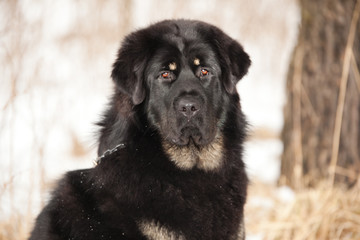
(61,89)
(285,194)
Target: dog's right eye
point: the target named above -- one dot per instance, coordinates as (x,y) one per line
(165,75)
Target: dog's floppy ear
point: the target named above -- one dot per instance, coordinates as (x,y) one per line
(239,65)
(128,69)
(234,60)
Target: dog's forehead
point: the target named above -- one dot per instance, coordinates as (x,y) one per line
(182,43)
(181,33)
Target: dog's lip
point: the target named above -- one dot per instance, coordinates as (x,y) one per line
(189,135)
(180,140)
(185,141)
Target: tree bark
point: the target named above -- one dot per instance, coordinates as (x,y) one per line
(321,133)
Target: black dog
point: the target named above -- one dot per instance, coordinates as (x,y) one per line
(170,144)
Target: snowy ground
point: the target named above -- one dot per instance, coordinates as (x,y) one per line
(55,82)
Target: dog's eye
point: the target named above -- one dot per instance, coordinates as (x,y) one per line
(204,72)
(165,75)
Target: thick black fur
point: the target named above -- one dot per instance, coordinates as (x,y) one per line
(140,182)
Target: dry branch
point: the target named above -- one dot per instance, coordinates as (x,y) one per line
(342,92)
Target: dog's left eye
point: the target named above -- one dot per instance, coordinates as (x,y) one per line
(204,72)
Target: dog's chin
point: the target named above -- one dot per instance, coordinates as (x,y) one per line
(187,153)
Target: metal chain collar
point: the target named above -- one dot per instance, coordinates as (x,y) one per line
(108,152)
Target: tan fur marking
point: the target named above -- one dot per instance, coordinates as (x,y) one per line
(210,156)
(154,231)
(172,66)
(196,62)
(183,157)
(206,158)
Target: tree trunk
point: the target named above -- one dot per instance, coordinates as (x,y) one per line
(321,134)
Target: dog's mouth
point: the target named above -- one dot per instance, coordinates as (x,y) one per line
(191,136)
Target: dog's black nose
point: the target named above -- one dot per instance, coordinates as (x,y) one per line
(188,107)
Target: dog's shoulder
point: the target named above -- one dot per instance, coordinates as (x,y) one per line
(73,186)
(67,205)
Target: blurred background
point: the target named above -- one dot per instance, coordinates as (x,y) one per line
(301,97)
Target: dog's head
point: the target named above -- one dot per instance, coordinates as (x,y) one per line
(182,73)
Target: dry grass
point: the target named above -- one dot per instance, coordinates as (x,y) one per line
(15,228)
(319,213)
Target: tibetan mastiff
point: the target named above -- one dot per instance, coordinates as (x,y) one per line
(170,144)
